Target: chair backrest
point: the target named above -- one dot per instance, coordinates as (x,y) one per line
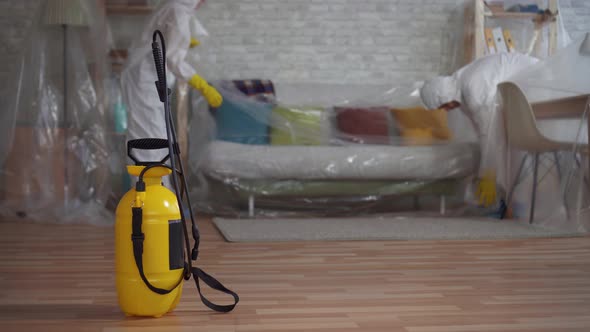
(519,119)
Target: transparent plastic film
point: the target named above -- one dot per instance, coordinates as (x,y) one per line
(548,186)
(328,151)
(545,110)
(56,123)
(185,37)
(296,148)
(533,28)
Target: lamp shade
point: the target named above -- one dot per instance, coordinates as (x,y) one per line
(65,12)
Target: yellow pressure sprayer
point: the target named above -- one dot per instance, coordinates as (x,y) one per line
(150,227)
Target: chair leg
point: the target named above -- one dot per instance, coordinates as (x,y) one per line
(513,187)
(564,192)
(579,163)
(534,193)
(443,205)
(251,206)
(417,203)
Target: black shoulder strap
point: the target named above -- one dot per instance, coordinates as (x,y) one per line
(214,284)
(138,237)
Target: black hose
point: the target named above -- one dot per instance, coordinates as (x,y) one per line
(162,86)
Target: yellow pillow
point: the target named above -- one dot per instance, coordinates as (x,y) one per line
(411,121)
(418,136)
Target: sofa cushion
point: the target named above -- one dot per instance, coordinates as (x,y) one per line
(297,126)
(421,123)
(261,90)
(241,120)
(369,125)
(418,136)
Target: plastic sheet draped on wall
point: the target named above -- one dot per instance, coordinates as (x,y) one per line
(58,134)
(558,88)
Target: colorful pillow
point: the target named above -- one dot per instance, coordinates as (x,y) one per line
(240,120)
(422,124)
(261,90)
(418,136)
(296,126)
(363,125)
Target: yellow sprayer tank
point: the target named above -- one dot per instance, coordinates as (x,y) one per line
(163,255)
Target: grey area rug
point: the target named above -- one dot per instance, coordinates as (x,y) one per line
(397,228)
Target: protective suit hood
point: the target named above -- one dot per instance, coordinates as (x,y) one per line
(189,7)
(177,21)
(440,90)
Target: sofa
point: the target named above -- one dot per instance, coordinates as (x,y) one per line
(325,149)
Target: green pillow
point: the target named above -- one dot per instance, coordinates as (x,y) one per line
(296,126)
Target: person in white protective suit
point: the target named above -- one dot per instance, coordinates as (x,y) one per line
(182,31)
(475,88)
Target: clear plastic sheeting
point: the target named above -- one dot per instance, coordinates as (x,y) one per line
(533,140)
(532,36)
(57,130)
(531,27)
(539,36)
(319,149)
(548,157)
(564,74)
(383,152)
(474,86)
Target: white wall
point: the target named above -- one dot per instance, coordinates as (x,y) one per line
(15,19)
(576,15)
(337,41)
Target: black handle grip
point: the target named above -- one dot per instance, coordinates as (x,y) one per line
(159,62)
(160,71)
(147,144)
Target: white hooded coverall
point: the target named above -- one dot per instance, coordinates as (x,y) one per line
(475,87)
(177,22)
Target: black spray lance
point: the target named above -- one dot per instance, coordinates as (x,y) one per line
(174,153)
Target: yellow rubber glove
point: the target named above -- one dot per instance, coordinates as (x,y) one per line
(194,42)
(486,189)
(210,93)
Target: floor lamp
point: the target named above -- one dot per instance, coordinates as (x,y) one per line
(65,13)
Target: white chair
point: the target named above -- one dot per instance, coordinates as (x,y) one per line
(522,133)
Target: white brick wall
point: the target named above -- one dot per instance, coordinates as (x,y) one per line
(361,41)
(335,41)
(332,41)
(15,19)
(577,16)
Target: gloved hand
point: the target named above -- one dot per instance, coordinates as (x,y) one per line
(210,93)
(194,42)
(486,189)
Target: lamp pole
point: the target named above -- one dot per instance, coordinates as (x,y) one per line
(65,106)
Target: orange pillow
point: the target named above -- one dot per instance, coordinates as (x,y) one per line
(418,121)
(418,136)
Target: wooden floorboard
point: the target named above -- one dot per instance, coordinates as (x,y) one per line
(60,278)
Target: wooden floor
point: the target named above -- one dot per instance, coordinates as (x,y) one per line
(60,278)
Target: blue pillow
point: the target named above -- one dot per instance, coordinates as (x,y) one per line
(240,120)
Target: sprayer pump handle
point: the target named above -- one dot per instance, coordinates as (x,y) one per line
(147,144)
